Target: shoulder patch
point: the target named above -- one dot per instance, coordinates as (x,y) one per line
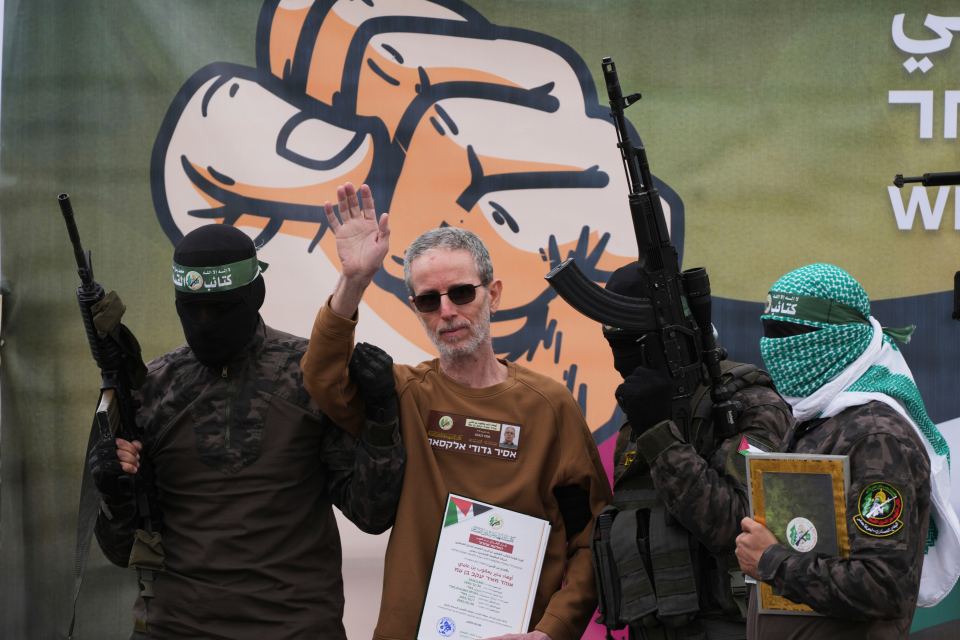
(879,509)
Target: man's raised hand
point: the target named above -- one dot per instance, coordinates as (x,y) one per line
(362,240)
(362,244)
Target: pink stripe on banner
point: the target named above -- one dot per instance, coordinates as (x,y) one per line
(606,455)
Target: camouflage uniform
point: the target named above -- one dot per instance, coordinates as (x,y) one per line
(246,470)
(873,593)
(702,486)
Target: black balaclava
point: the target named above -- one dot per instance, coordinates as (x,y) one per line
(219,291)
(632,349)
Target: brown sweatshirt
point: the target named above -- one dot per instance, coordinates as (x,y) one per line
(555,456)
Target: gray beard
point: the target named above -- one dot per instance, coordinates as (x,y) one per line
(481,334)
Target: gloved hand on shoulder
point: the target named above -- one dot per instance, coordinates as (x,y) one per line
(371,369)
(645,396)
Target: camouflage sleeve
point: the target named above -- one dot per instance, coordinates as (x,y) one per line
(881,576)
(365,475)
(710,498)
(115,528)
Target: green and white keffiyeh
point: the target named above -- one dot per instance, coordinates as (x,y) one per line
(849,361)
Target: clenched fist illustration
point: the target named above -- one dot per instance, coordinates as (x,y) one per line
(451,120)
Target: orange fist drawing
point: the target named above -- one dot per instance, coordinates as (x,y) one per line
(450,120)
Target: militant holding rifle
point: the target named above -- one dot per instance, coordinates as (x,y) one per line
(678,309)
(633,590)
(117,354)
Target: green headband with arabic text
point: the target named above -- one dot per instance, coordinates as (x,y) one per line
(790,306)
(224,277)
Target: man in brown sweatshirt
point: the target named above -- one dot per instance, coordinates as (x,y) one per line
(554,472)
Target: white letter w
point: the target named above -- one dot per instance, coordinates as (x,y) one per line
(918,198)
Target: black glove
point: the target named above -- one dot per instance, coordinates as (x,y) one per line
(371,368)
(645,396)
(106,319)
(110,479)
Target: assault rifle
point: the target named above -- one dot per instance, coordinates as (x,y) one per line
(937,180)
(635,589)
(679,305)
(114,349)
(117,354)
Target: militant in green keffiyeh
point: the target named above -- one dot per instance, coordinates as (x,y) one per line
(831,300)
(847,360)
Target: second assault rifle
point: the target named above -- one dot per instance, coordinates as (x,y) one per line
(679,305)
(945,179)
(929,179)
(117,354)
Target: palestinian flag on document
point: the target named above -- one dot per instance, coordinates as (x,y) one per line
(460,509)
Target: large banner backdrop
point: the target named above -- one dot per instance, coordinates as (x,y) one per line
(774,131)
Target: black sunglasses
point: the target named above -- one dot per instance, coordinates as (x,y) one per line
(458,294)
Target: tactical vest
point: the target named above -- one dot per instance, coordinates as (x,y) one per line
(650,571)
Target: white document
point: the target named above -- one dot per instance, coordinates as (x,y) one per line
(485,572)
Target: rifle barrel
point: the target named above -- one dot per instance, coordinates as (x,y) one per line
(930,179)
(83,263)
(617,105)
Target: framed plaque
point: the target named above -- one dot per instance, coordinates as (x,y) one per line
(801,499)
